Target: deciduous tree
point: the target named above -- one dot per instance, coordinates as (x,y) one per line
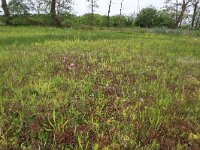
(179,9)
(184,5)
(20,7)
(120,12)
(55,20)
(64,6)
(108,16)
(195,4)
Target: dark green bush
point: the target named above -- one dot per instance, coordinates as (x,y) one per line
(119,21)
(165,19)
(147,17)
(29,20)
(150,17)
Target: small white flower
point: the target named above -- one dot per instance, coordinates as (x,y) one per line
(141,99)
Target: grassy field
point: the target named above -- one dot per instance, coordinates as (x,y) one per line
(99,89)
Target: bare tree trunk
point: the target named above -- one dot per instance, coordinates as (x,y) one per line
(5,8)
(55,20)
(92,5)
(92,12)
(108,17)
(120,12)
(195,5)
(53,8)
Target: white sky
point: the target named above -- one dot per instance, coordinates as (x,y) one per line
(81,6)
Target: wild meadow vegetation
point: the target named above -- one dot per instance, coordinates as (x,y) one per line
(99,89)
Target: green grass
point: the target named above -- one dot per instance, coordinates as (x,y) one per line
(99,89)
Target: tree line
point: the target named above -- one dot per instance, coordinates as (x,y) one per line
(174,14)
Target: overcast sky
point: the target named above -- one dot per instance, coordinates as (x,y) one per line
(81,6)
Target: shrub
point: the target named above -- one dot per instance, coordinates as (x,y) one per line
(28,20)
(149,17)
(118,21)
(98,20)
(69,20)
(165,19)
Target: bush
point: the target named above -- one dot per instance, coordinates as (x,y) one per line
(28,20)
(150,17)
(69,20)
(165,19)
(86,19)
(147,17)
(1,20)
(118,21)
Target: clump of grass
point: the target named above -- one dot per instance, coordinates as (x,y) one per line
(174,31)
